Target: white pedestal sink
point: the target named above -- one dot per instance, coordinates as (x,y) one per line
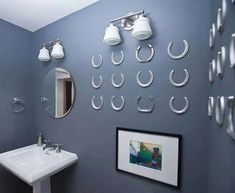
(34,166)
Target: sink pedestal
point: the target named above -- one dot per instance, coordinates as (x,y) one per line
(43,186)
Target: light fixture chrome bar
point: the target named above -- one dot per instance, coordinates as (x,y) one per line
(126,16)
(52,42)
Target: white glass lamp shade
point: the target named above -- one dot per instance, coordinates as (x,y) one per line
(142,29)
(57,51)
(112,36)
(44,55)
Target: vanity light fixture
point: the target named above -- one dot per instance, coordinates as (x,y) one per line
(137,22)
(57,51)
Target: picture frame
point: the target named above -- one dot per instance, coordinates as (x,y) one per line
(149,154)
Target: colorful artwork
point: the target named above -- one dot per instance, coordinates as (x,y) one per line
(146,154)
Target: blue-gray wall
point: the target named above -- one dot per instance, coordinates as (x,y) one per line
(222,147)
(16,130)
(91,134)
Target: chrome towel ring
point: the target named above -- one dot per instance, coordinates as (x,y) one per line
(144,60)
(100,61)
(144,85)
(220,110)
(120,61)
(211,105)
(183,83)
(115,107)
(177,57)
(212,71)
(148,110)
(186,107)
(212,36)
(99,107)
(230,129)
(120,84)
(99,84)
(232,51)
(220,63)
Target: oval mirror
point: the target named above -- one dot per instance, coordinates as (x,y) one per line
(58,93)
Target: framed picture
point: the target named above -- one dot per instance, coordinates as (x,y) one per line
(149,154)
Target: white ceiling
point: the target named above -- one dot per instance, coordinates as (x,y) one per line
(35,14)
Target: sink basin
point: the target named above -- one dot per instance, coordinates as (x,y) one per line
(33,165)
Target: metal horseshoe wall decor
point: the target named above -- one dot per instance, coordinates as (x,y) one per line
(220,110)
(183,83)
(212,71)
(45,102)
(115,107)
(148,110)
(144,60)
(17,105)
(230,129)
(177,57)
(232,51)
(211,105)
(212,36)
(144,85)
(117,85)
(220,63)
(95,106)
(221,16)
(120,61)
(98,85)
(100,62)
(186,107)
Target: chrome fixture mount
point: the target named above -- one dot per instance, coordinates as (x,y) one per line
(232,51)
(177,57)
(17,105)
(144,85)
(99,84)
(115,107)
(221,16)
(212,36)
(220,63)
(182,111)
(115,84)
(230,129)
(220,110)
(181,84)
(144,60)
(120,61)
(95,106)
(128,20)
(99,63)
(212,71)
(148,110)
(211,105)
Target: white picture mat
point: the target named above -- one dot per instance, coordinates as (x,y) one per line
(170,158)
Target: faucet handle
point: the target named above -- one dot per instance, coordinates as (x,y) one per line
(58,148)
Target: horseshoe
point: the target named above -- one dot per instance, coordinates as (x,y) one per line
(119,62)
(232,51)
(221,16)
(230,129)
(93,103)
(99,64)
(93,82)
(179,111)
(146,60)
(221,56)
(212,71)
(211,105)
(150,109)
(144,85)
(183,83)
(220,110)
(117,108)
(212,36)
(177,57)
(120,84)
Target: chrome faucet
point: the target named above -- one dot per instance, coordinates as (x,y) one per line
(51,146)
(47,144)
